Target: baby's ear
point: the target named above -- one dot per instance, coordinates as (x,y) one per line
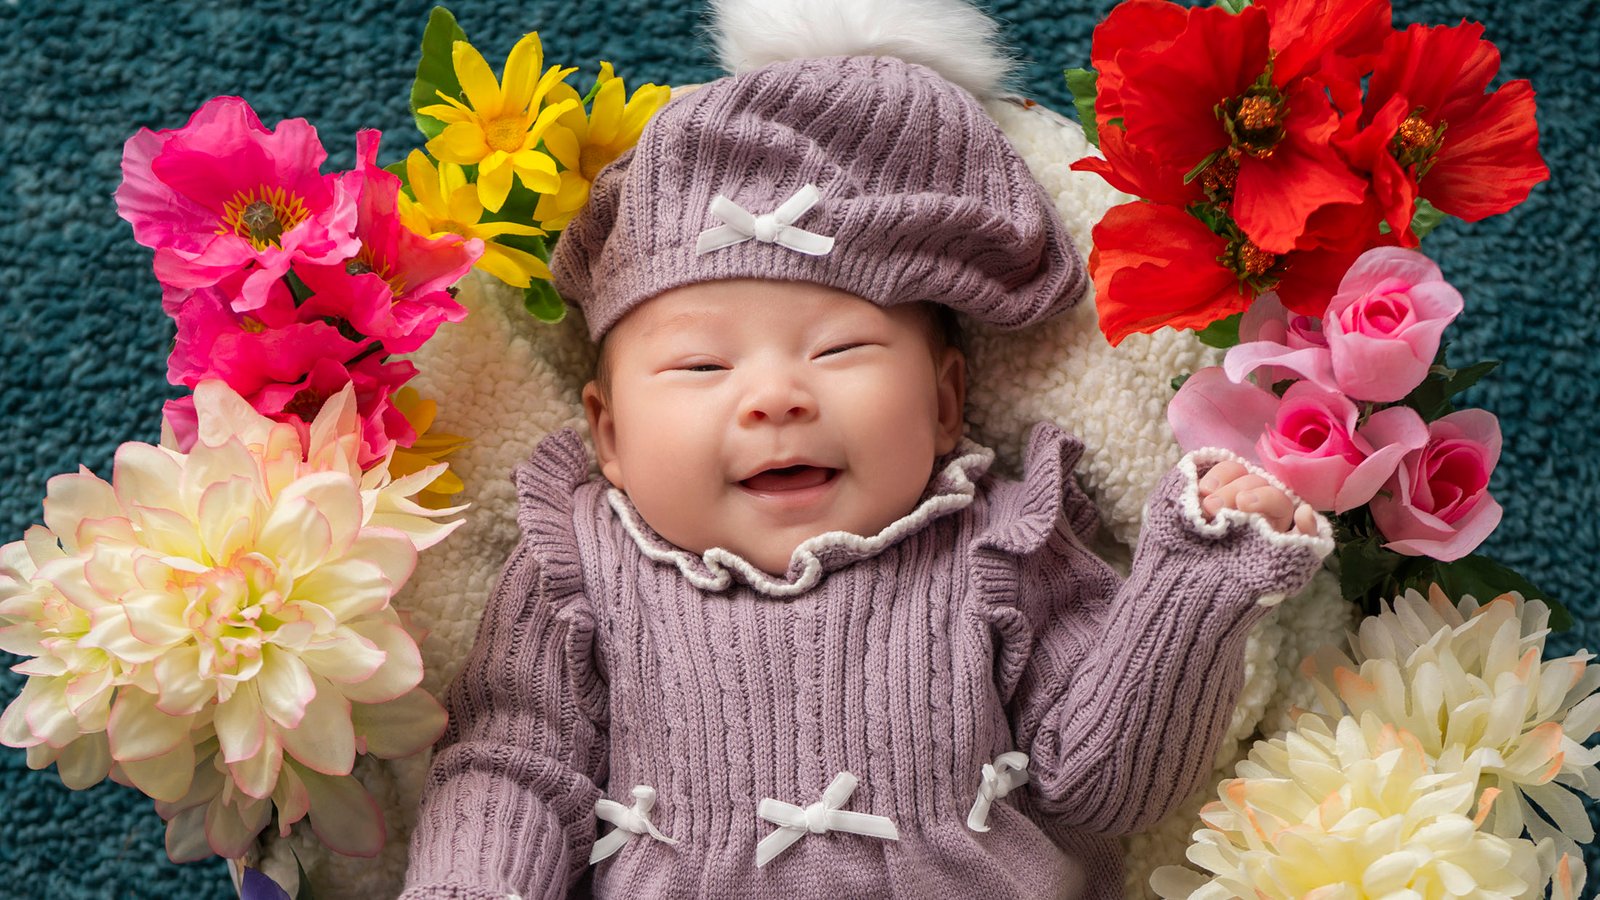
(603,430)
(951,383)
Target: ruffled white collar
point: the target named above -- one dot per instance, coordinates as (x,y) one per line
(951,489)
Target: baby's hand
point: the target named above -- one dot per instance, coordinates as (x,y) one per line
(1228,485)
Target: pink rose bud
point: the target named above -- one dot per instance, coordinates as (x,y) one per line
(1437,503)
(1315,447)
(1383,325)
(1277,345)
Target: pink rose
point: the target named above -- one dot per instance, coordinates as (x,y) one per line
(1437,503)
(1315,447)
(1384,323)
(1278,346)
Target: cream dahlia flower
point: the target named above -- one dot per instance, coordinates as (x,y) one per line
(1469,683)
(1353,812)
(237,594)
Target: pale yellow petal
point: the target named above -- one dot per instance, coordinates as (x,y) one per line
(515,267)
(537,172)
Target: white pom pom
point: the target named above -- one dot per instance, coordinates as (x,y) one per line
(952,37)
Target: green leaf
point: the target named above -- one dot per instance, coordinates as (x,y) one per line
(1233,6)
(1363,565)
(1426,218)
(1223,333)
(1486,579)
(1177,383)
(436,70)
(1431,398)
(398,169)
(1081,82)
(543,303)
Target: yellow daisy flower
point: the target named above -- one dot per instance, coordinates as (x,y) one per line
(502,121)
(586,144)
(446,203)
(429,449)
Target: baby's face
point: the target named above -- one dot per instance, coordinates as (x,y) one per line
(752,415)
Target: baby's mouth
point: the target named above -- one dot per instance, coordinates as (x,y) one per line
(789,478)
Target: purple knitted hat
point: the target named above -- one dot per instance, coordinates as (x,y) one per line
(867,174)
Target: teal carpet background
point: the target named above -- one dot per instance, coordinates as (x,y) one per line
(83,340)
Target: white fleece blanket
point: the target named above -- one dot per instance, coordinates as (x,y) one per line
(505,381)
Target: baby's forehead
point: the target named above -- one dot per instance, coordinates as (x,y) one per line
(781,306)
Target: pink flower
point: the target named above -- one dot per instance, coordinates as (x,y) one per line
(396,286)
(250,350)
(1437,502)
(224,193)
(383,425)
(1279,345)
(1384,323)
(1309,439)
(1315,447)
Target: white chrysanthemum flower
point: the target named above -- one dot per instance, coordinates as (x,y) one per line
(1468,681)
(239,591)
(1353,812)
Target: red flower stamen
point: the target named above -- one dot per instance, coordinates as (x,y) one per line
(1247,260)
(1254,120)
(1219,178)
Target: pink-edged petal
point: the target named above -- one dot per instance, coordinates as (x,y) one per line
(326,741)
(231,830)
(186,836)
(1398,425)
(146,475)
(343,815)
(1212,411)
(166,777)
(285,686)
(138,730)
(296,536)
(157,619)
(401,670)
(48,717)
(331,497)
(400,727)
(225,514)
(69,499)
(257,775)
(345,658)
(347,589)
(292,799)
(241,724)
(84,762)
(14,729)
(183,691)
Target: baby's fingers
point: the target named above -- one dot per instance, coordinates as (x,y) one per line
(1219,475)
(1270,503)
(1305,519)
(1226,495)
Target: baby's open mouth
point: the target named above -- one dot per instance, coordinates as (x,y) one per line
(789,478)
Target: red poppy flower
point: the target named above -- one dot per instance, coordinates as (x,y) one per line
(1428,128)
(1156,265)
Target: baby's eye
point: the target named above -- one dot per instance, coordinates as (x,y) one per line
(839,349)
(701,367)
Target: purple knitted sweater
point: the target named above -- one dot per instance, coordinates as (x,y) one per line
(976,626)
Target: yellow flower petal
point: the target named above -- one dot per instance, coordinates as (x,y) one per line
(537,172)
(487,230)
(563,144)
(548,117)
(477,80)
(494,184)
(605,117)
(464,205)
(424,181)
(522,72)
(461,143)
(515,267)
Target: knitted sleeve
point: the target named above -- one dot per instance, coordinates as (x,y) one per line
(508,808)
(1120,691)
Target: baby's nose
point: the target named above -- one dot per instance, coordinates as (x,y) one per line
(778,401)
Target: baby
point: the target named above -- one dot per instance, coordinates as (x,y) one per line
(797,641)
